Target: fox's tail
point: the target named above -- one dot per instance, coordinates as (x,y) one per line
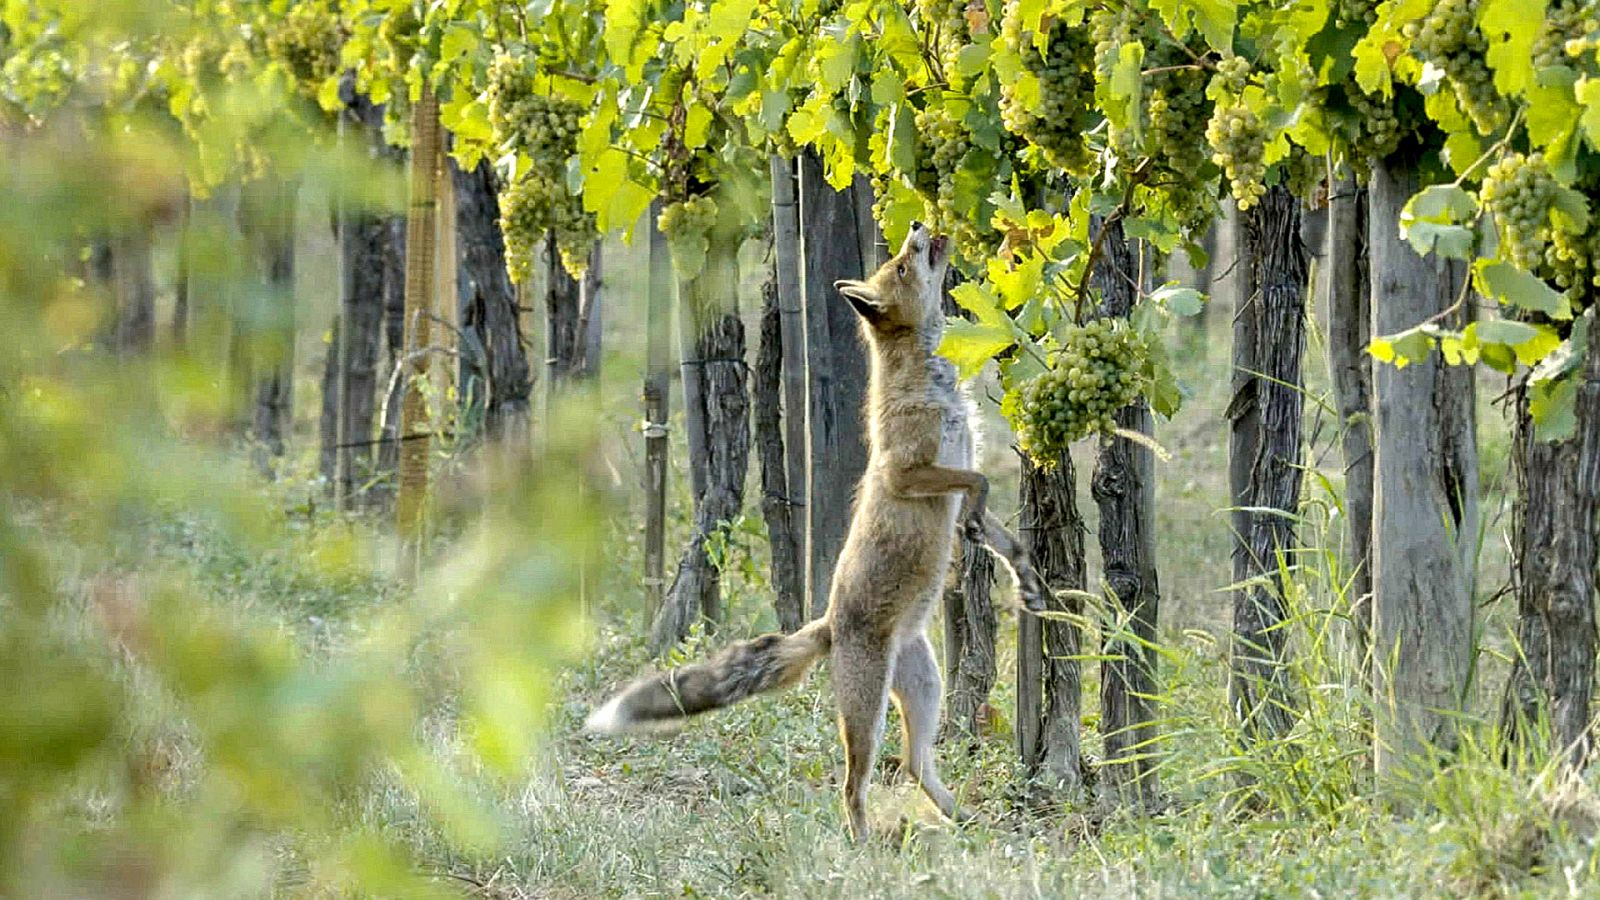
(742,670)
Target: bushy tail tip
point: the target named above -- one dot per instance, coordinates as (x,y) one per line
(664,699)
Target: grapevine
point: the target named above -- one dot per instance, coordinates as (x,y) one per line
(1098,370)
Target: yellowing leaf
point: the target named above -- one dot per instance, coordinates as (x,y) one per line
(971,344)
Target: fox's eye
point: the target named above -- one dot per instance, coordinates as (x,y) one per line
(901,269)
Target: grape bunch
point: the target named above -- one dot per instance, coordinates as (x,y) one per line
(695,216)
(1177,113)
(1065,72)
(1238,143)
(1518,191)
(1234,73)
(1377,128)
(1098,370)
(545,129)
(945,21)
(1111,27)
(1448,37)
(534,205)
(1571,261)
(1362,14)
(945,143)
(1169,137)
(305,41)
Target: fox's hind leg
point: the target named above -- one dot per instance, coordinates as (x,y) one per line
(916,693)
(861,686)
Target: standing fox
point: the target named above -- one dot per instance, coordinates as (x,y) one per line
(894,561)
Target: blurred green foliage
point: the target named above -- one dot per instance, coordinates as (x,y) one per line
(156,739)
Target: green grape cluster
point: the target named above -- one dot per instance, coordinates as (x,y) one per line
(945,143)
(1362,14)
(1377,129)
(1562,20)
(1518,191)
(945,21)
(1448,37)
(695,216)
(305,41)
(1098,370)
(1234,73)
(1238,142)
(1065,72)
(534,205)
(1571,263)
(1177,113)
(1111,27)
(1305,175)
(1169,138)
(545,129)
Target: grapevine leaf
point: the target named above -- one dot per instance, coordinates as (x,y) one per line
(1551,405)
(458,41)
(1550,113)
(1212,18)
(972,59)
(976,298)
(887,88)
(836,61)
(1431,220)
(1126,88)
(971,344)
(729,19)
(1020,368)
(1511,27)
(327,94)
(1180,300)
(1017,284)
(697,127)
(1570,210)
(1509,284)
(1530,343)
(902,144)
(624,20)
(1162,388)
(1588,93)
(1567,357)
(1456,351)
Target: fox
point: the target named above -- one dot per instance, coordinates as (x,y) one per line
(919,485)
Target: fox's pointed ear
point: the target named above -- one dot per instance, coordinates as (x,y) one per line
(863,299)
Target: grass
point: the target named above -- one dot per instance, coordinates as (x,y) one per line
(745,803)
